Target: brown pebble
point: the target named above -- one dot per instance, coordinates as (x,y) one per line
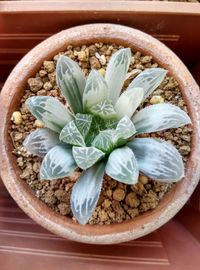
(61,195)
(42,73)
(109,193)
(103,216)
(49,66)
(94,62)
(47,86)
(42,92)
(106,203)
(18,136)
(36,167)
(143,179)
(133,212)
(52,77)
(26,173)
(64,209)
(146,59)
(118,194)
(35,84)
(184,150)
(50,197)
(20,161)
(132,200)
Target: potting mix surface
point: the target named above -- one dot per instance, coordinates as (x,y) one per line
(117,201)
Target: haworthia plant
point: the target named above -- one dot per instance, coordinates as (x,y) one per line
(97,134)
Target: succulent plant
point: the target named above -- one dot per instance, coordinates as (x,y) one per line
(97,131)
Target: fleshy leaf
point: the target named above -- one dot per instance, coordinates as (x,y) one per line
(49,111)
(96,90)
(86,191)
(71,82)
(104,109)
(116,72)
(122,166)
(159,117)
(104,140)
(57,163)
(158,159)
(85,157)
(125,128)
(71,135)
(40,141)
(149,80)
(111,123)
(83,123)
(97,125)
(128,102)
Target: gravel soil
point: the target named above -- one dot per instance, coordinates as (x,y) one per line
(117,201)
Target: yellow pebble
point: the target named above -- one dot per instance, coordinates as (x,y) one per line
(102,72)
(39,124)
(156,100)
(16,118)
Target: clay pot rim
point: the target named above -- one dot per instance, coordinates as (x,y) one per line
(11,95)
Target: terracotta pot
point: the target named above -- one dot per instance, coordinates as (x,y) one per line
(10,98)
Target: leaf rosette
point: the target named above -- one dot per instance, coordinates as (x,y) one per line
(98,133)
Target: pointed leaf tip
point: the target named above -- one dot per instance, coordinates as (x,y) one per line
(40,141)
(122,166)
(160,117)
(149,80)
(128,102)
(71,82)
(86,191)
(71,135)
(85,157)
(49,111)
(96,90)
(116,72)
(57,163)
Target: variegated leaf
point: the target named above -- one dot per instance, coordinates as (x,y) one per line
(149,80)
(122,166)
(104,109)
(158,159)
(71,82)
(104,140)
(83,123)
(128,102)
(86,191)
(57,163)
(97,125)
(116,72)
(49,111)
(111,123)
(125,128)
(71,135)
(159,117)
(96,90)
(85,157)
(40,141)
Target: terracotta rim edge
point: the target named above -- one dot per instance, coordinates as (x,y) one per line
(121,35)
